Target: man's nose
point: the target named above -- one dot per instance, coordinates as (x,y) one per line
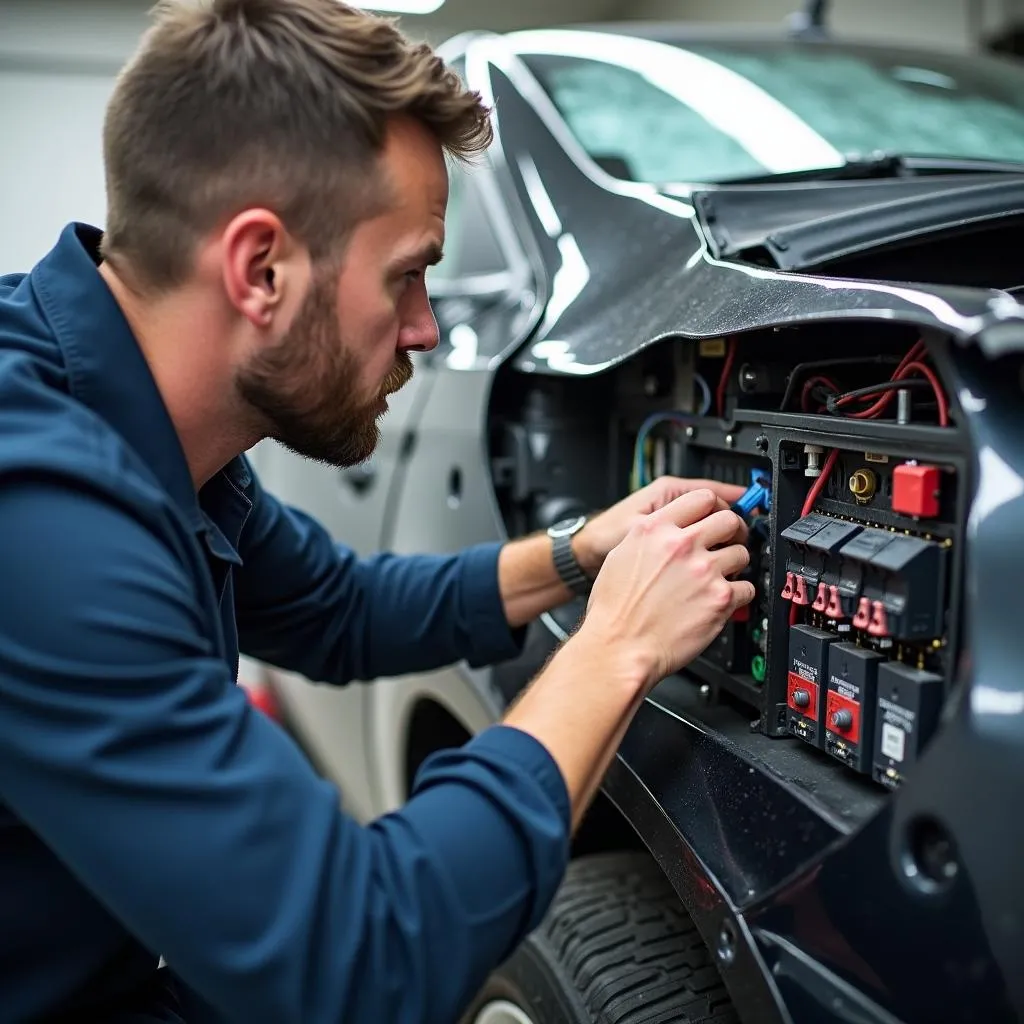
(419,333)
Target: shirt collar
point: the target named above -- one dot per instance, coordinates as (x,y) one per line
(106,368)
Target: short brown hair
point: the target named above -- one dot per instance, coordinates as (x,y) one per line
(282,103)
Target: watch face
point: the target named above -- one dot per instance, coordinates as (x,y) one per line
(567,527)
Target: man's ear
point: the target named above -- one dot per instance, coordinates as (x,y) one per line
(260,264)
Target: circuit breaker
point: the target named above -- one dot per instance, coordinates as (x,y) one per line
(909,702)
(850,704)
(808,664)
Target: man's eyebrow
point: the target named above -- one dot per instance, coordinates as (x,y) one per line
(429,255)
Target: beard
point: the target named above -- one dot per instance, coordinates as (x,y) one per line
(302,389)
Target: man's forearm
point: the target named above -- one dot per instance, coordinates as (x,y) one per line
(528,581)
(579,708)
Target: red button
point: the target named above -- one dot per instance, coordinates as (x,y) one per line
(787,590)
(835,604)
(800,591)
(915,490)
(821,599)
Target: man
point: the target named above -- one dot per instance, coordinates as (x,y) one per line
(276,191)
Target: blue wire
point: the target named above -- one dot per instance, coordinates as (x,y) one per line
(641,438)
(705,391)
(666,417)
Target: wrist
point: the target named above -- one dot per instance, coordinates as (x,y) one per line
(588,559)
(619,660)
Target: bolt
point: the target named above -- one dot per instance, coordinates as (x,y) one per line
(813,453)
(730,441)
(691,433)
(903,412)
(761,442)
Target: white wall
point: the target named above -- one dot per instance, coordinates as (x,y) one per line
(58,61)
(940,23)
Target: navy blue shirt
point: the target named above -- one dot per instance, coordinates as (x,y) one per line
(146,809)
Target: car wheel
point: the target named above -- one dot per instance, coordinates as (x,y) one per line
(617,947)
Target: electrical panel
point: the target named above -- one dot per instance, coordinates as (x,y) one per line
(848,646)
(854,477)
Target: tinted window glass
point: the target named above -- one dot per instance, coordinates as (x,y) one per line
(714,112)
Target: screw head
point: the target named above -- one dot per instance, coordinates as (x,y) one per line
(730,441)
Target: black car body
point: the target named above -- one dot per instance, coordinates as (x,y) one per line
(673,236)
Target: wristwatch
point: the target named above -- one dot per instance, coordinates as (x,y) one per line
(568,568)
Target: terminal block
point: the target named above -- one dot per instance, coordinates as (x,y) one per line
(889,585)
(899,583)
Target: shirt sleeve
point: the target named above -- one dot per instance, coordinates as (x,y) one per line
(197,823)
(311,606)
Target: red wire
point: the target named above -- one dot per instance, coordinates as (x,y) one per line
(903,371)
(723,381)
(819,485)
(940,398)
(811,381)
(812,496)
(916,352)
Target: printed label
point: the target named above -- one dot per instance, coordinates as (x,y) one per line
(894,742)
(808,672)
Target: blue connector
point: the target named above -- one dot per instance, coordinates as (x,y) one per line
(757,497)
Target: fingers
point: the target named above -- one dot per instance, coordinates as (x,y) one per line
(732,560)
(674,486)
(721,527)
(688,508)
(742,593)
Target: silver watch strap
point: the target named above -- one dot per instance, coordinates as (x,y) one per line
(568,568)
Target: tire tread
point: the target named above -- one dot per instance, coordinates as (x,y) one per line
(634,954)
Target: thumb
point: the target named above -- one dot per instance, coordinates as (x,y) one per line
(688,508)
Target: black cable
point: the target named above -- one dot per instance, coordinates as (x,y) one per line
(832,402)
(802,369)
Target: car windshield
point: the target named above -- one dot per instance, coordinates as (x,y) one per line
(668,112)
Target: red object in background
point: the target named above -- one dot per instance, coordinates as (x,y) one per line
(915,490)
(741,614)
(262,698)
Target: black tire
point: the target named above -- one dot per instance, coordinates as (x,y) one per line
(617,947)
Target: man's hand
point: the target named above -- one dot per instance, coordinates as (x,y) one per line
(665,592)
(606,530)
(526,573)
(661,597)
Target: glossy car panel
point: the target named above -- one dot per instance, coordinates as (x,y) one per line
(847,905)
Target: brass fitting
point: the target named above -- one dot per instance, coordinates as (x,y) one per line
(863,485)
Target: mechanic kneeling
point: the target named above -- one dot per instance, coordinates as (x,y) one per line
(277,189)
